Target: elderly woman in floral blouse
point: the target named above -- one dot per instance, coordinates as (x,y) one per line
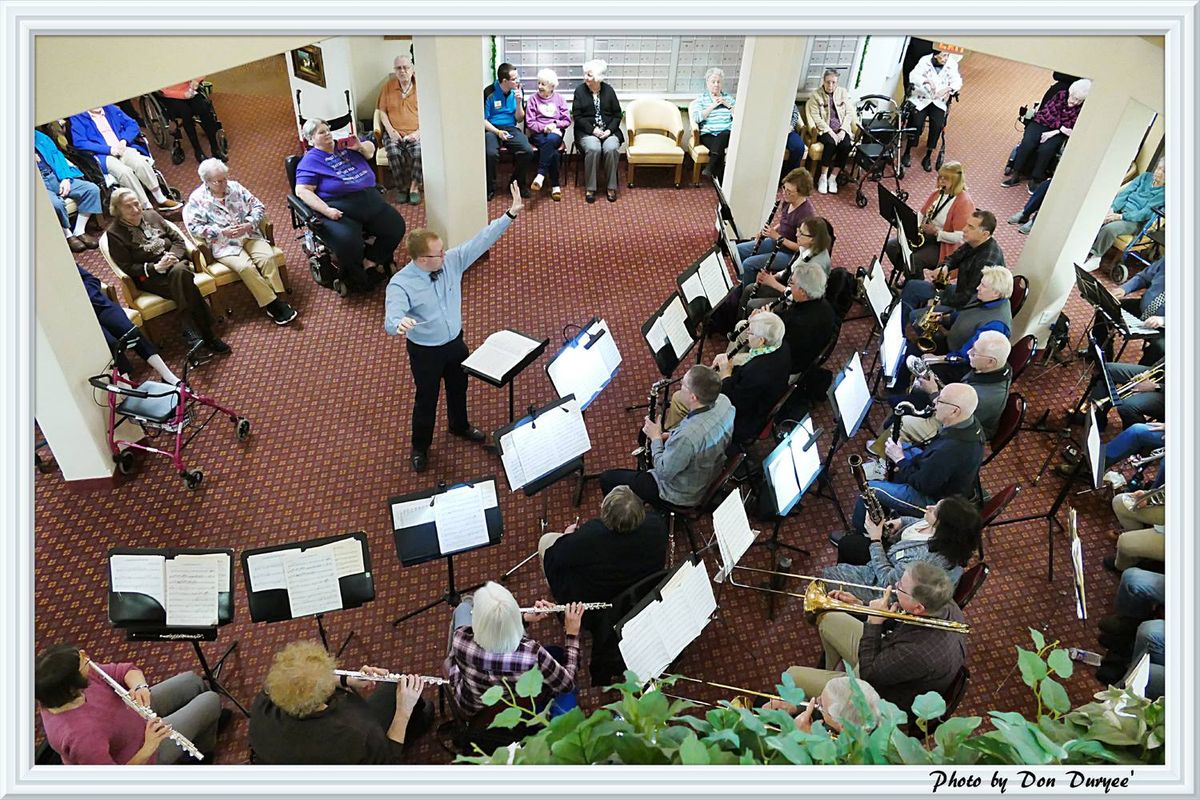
(226,215)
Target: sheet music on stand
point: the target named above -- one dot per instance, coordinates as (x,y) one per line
(1095,450)
(892,345)
(173,588)
(1096,293)
(308,578)
(667,335)
(658,629)
(879,294)
(443,521)
(731,527)
(537,445)
(793,465)
(1077,563)
(852,398)
(705,283)
(500,354)
(586,363)
(726,225)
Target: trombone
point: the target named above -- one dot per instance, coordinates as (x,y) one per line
(1156,373)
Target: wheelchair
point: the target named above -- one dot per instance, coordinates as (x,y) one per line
(877,150)
(63,137)
(907,110)
(156,120)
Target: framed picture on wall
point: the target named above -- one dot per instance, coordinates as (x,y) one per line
(308,65)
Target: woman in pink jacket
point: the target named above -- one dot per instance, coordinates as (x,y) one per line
(943,216)
(547,118)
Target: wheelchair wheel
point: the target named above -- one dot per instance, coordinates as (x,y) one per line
(314,268)
(223,144)
(124,461)
(155,120)
(340,287)
(174,194)
(177,154)
(242,429)
(192,480)
(860,200)
(1119,272)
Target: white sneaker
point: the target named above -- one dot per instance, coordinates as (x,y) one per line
(537,183)
(823,185)
(1092,264)
(1114,479)
(833,186)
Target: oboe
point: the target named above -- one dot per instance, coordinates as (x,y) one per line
(758,239)
(391,677)
(146,713)
(562,607)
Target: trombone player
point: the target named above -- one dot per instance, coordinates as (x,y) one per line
(901,660)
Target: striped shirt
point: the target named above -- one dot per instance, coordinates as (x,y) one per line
(720,119)
(473,670)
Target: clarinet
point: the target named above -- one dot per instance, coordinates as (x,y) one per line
(904,409)
(870,500)
(391,677)
(758,239)
(147,714)
(644,455)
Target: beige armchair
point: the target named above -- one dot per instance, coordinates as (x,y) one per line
(696,151)
(655,136)
(225,275)
(135,316)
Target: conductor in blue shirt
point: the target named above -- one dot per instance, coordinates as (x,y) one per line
(424,305)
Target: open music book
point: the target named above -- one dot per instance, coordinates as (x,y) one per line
(734,535)
(537,445)
(185,585)
(793,466)
(500,354)
(669,327)
(654,636)
(708,279)
(586,364)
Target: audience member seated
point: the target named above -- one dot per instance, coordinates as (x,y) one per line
(990,310)
(184,101)
(87,722)
(948,465)
(1132,208)
(112,137)
(547,118)
(503,111)
(783,235)
(947,535)
(755,380)
(114,324)
(990,377)
(595,562)
(945,213)
(1140,597)
(597,115)
(688,457)
(712,114)
(900,660)
(335,180)
(835,706)
(64,181)
(831,113)
(1150,308)
(227,216)
(1028,213)
(153,254)
(795,148)
(307,715)
(488,646)
(978,250)
(933,80)
(402,129)
(1046,133)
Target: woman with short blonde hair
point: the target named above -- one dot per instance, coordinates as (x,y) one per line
(943,216)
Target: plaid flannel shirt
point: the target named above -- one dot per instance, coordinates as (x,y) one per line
(473,670)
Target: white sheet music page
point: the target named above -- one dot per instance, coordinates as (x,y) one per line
(674,321)
(347,556)
(656,337)
(191,592)
(411,513)
(513,472)
(460,520)
(715,278)
(852,394)
(607,347)
(878,294)
(732,529)
(312,582)
(782,474)
(220,559)
(555,437)
(641,647)
(693,287)
(499,353)
(265,570)
(138,575)
(808,462)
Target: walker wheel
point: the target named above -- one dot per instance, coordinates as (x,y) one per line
(630,184)
(941,159)
(243,429)
(860,200)
(174,194)
(192,480)
(1119,272)
(178,156)
(340,287)
(124,461)
(902,195)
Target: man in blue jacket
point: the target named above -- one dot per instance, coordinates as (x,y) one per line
(111,136)
(1131,209)
(64,181)
(503,111)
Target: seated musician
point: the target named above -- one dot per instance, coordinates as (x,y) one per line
(1140,393)
(900,659)
(755,380)
(87,722)
(946,535)
(488,645)
(809,322)
(688,457)
(816,238)
(780,239)
(989,310)
(944,214)
(947,465)
(595,562)
(307,715)
(1132,509)
(990,377)
(978,250)
(1151,308)
(1135,629)
(835,705)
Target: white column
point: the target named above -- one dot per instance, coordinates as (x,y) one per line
(767,84)
(448,70)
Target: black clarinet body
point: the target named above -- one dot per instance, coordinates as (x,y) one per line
(770,218)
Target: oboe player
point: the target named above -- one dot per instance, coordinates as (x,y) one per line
(424,305)
(86,722)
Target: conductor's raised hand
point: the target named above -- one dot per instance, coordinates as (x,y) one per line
(534,616)
(517,202)
(573,619)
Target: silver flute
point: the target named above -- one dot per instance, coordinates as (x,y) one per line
(391,677)
(562,607)
(146,713)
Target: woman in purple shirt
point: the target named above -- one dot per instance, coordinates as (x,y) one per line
(547,118)
(794,208)
(1050,127)
(335,179)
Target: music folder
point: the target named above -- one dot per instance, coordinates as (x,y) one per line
(879,294)
(586,364)
(733,533)
(170,593)
(667,620)
(414,521)
(503,355)
(306,578)
(543,442)
(667,334)
(704,284)
(850,396)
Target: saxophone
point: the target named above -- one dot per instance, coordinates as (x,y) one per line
(870,500)
(929,324)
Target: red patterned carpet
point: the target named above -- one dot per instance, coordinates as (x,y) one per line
(329,397)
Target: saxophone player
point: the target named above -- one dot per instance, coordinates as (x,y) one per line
(978,250)
(944,215)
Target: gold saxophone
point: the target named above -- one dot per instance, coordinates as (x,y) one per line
(931,322)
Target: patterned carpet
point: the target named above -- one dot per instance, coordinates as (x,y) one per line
(329,397)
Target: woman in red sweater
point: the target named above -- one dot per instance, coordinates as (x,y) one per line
(943,216)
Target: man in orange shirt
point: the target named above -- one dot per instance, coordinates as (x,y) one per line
(402,128)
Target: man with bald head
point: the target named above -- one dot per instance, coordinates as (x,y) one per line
(401,134)
(947,466)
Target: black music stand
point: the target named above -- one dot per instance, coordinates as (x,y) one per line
(848,422)
(700,298)
(508,377)
(144,618)
(666,357)
(269,602)
(418,543)
(725,214)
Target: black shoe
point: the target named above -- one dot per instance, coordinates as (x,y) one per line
(1117,645)
(280,312)
(420,460)
(836,537)
(906,160)
(200,156)
(925,163)
(525,192)
(1110,564)
(590,197)
(217,346)
(491,194)
(471,435)
(1031,187)
(1010,182)
(707,171)
(1075,418)
(1112,669)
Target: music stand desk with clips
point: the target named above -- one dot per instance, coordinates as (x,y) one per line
(668,326)
(704,285)
(509,375)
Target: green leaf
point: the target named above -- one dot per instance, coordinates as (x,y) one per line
(692,752)
(569,751)
(1039,641)
(724,735)
(653,709)
(1018,732)
(508,718)
(530,684)
(909,749)
(535,750)
(994,746)
(953,732)
(492,695)
(1060,662)
(929,706)
(1087,751)
(1054,695)
(751,721)
(1033,669)
(791,749)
